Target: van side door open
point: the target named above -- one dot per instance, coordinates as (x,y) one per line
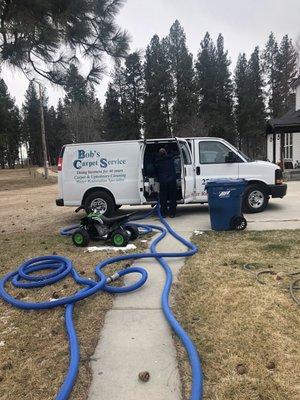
(213,160)
(187,171)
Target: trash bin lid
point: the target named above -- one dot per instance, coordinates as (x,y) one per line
(225,182)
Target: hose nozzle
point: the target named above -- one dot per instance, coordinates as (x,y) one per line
(112,278)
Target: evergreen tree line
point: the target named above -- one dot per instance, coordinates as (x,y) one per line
(163,93)
(169,93)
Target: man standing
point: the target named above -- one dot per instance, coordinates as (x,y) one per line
(166,176)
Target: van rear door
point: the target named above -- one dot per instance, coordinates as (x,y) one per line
(187,171)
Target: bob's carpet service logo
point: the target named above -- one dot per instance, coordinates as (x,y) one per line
(92,158)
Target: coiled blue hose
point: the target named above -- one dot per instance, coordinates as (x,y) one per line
(60,266)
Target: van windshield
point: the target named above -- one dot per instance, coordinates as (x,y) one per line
(244,155)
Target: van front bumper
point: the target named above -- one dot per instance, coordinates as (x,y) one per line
(278,190)
(59,202)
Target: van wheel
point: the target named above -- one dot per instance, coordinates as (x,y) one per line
(101,202)
(255,199)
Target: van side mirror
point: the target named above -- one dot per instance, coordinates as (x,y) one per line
(231,157)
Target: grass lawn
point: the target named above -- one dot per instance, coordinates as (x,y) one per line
(34,352)
(247,333)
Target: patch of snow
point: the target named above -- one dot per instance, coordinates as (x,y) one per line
(198,233)
(91,249)
(2,343)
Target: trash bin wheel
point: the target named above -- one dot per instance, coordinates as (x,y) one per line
(238,223)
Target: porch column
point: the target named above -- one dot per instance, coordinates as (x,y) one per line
(274,148)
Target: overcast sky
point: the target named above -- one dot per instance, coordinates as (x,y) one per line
(243,23)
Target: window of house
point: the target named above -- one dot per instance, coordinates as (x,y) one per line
(288,145)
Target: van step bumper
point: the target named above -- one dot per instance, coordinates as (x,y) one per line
(59,202)
(278,190)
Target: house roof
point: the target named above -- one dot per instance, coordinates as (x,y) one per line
(288,123)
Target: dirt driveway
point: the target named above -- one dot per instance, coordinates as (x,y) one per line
(30,208)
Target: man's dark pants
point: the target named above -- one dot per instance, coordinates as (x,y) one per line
(167,193)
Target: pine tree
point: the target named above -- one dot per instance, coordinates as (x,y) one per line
(185,101)
(255,140)
(14,137)
(280,67)
(206,83)
(32,125)
(9,128)
(272,72)
(83,112)
(113,128)
(242,99)
(133,96)
(76,87)
(123,101)
(34,35)
(61,123)
(158,90)
(224,125)
(57,131)
(94,124)
(288,72)
(167,85)
(53,136)
(215,89)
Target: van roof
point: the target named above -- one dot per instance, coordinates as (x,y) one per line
(148,140)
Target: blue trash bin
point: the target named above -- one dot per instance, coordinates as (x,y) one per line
(225,204)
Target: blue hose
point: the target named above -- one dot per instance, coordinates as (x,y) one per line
(61,266)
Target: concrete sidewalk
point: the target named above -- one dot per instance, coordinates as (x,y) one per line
(135,338)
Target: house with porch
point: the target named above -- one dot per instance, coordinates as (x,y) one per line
(283,136)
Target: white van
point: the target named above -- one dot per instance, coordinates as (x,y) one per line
(107,175)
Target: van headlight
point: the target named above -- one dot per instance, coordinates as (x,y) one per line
(278,177)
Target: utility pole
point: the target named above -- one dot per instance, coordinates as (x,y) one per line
(43,134)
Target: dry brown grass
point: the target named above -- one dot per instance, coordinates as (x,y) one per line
(247,334)
(12,179)
(34,358)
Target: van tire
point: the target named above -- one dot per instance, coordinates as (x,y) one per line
(100,201)
(255,199)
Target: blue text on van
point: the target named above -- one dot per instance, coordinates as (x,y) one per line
(87,159)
